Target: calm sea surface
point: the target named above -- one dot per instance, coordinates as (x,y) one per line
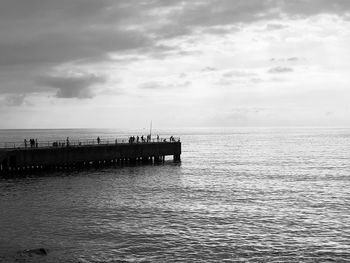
(239,195)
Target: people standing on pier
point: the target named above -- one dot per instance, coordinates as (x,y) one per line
(25,143)
(132,139)
(67,141)
(31,142)
(98,140)
(157,138)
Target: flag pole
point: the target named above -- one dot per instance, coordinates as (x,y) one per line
(150,130)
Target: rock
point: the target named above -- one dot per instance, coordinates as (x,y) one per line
(36,251)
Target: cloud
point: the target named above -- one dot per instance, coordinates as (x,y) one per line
(314,7)
(208,69)
(213,16)
(38,36)
(234,77)
(272,27)
(280,70)
(53,32)
(161,85)
(69,45)
(238,73)
(290,59)
(73,86)
(152,85)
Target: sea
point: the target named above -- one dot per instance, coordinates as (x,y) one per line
(238,195)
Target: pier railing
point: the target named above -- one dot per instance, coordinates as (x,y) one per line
(80,142)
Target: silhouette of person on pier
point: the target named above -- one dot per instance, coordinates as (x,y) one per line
(32,143)
(25,143)
(98,140)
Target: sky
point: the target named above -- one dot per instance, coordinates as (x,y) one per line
(195,63)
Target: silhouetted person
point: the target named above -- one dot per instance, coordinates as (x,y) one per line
(98,140)
(36,143)
(25,143)
(157,138)
(67,141)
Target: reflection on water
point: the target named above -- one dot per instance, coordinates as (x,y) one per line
(279,195)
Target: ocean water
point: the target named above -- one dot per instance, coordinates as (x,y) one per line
(239,195)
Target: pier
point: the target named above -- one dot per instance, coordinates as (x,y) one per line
(52,156)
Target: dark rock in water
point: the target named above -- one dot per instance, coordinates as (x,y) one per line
(37,251)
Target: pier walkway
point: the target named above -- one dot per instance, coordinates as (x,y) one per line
(19,158)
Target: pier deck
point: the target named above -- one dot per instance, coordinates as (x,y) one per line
(22,160)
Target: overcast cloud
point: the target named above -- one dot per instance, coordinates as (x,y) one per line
(127,56)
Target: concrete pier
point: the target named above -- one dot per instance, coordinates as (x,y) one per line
(28,160)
